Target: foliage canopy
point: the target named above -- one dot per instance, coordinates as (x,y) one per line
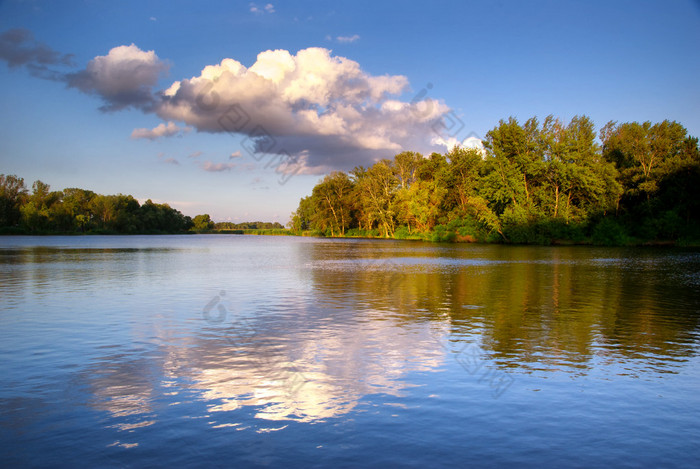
(533,183)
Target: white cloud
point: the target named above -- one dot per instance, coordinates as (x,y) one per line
(469,142)
(268,8)
(161,130)
(313,111)
(347,39)
(448,142)
(235,154)
(122,78)
(312,104)
(473,142)
(217,167)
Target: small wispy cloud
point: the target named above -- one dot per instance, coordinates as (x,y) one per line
(161,130)
(19,48)
(235,154)
(195,154)
(153,18)
(258,184)
(171,161)
(268,8)
(217,167)
(347,39)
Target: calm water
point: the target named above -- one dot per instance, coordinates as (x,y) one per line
(271,351)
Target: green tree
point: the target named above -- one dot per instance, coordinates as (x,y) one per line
(423,200)
(377,187)
(77,204)
(462,178)
(405,167)
(302,216)
(332,203)
(12,195)
(516,160)
(203,223)
(38,212)
(580,181)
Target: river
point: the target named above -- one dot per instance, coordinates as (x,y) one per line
(256,351)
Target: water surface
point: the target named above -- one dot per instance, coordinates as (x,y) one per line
(268,351)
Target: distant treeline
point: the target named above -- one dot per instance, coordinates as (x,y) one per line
(533,183)
(81,211)
(249,225)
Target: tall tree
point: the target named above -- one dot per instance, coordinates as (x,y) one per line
(462,178)
(12,195)
(405,166)
(332,202)
(302,217)
(376,188)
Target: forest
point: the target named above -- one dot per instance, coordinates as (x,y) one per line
(533,183)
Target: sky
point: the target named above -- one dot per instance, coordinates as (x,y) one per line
(237,109)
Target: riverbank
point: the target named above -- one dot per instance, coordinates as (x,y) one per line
(455,238)
(437,236)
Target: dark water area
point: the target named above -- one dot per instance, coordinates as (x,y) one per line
(253,351)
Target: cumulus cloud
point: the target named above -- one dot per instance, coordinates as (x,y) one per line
(322,110)
(347,39)
(472,141)
(161,130)
(122,78)
(313,111)
(19,49)
(217,167)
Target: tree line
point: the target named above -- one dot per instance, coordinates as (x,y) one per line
(532,183)
(248,225)
(81,211)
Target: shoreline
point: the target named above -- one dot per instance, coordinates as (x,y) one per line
(457,240)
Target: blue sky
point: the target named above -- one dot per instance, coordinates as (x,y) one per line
(344,83)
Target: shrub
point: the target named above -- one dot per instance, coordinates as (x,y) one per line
(608,232)
(402,232)
(441,234)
